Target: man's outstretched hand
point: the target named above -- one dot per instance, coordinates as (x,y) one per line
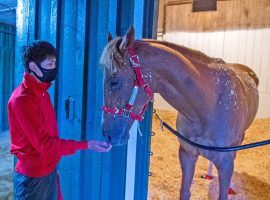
(99,146)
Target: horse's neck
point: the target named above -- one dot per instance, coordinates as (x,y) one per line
(175,78)
(195,56)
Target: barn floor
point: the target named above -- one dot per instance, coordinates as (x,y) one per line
(6,168)
(251,179)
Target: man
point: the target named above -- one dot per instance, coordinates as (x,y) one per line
(33,128)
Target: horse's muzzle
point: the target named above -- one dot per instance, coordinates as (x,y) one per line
(113,139)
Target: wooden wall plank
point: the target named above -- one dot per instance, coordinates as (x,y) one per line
(231,36)
(193,39)
(199,21)
(213,43)
(257,53)
(242,46)
(265,60)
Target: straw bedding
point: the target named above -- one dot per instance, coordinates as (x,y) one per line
(251,179)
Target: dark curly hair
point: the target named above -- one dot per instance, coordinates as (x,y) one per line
(37,52)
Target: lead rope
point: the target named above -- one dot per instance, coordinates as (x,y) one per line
(160,120)
(219,149)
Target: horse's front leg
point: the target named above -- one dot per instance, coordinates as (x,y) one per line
(187,161)
(225,166)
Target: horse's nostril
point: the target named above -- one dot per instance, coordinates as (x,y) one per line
(109,139)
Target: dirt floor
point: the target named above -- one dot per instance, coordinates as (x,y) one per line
(251,179)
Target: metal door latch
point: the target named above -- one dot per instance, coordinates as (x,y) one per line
(70,107)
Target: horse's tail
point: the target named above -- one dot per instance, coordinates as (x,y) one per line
(248,71)
(254,77)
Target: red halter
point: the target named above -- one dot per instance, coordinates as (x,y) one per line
(138,82)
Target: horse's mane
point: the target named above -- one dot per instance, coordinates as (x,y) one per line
(193,55)
(111,57)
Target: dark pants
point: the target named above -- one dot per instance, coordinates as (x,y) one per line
(42,188)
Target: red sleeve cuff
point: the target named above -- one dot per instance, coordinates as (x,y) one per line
(80,145)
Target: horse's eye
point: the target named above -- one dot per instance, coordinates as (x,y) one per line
(115,83)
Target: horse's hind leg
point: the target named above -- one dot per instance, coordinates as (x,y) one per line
(187,161)
(225,166)
(209,174)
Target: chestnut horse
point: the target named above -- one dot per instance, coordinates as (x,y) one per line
(217,101)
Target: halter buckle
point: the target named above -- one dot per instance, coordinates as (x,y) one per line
(116,110)
(126,113)
(134,61)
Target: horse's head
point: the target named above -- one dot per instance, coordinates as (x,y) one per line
(124,102)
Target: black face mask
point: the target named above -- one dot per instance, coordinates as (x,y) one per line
(49,75)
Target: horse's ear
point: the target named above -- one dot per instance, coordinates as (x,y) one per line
(109,37)
(128,40)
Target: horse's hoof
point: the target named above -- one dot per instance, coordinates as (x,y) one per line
(207,177)
(231,191)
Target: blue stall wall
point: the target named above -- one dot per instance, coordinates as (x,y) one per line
(7,51)
(78,28)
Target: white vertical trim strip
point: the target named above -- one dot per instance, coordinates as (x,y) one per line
(131,162)
(138,22)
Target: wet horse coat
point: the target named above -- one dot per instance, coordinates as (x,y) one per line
(216,101)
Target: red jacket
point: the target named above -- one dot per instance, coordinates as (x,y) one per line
(33,129)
